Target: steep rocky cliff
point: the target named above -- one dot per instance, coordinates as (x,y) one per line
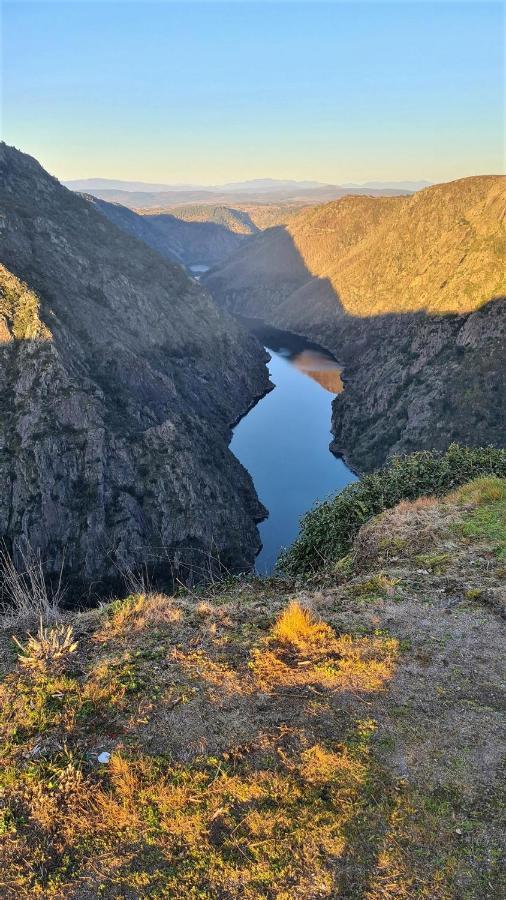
(408,293)
(119,380)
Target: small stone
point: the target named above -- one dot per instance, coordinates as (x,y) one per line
(104,757)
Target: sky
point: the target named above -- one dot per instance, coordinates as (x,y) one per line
(212,92)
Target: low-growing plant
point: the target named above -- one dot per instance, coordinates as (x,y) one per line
(435,562)
(298,629)
(376,585)
(327,531)
(48,650)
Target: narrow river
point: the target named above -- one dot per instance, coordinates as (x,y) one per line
(284,441)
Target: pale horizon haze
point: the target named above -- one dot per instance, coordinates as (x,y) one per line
(206,93)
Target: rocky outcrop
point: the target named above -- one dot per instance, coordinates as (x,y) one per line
(408,293)
(119,381)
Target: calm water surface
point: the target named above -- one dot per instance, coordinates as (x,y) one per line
(284,441)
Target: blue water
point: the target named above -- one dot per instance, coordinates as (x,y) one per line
(284,440)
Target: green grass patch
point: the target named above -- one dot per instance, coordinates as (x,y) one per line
(488,523)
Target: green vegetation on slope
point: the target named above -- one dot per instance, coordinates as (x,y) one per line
(19,310)
(251,741)
(328,530)
(488,520)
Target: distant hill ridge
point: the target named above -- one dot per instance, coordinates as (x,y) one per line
(139,195)
(235,220)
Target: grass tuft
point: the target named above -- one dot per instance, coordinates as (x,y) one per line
(297,628)
(49,650)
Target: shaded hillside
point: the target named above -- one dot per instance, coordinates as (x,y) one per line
(271,740)
(187,242)
(406,292)
(119,381)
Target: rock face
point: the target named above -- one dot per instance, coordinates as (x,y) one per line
(408,293)
(119,381)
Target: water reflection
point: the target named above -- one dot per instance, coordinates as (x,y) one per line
(284,440)
(325,371)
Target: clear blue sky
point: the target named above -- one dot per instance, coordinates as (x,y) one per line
(211,92)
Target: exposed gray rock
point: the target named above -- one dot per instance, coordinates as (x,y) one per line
(119,381)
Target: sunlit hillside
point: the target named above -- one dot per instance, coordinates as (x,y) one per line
(234,220)
(441,250)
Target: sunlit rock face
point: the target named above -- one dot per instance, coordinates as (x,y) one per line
(119,380)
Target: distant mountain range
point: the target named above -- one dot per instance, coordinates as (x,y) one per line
(255,185)
(147,195)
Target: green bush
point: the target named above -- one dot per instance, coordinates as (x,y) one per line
(328,530)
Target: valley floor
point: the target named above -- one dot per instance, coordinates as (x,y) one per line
(335,738)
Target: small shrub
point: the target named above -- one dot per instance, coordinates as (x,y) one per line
(327,531)
(49,650)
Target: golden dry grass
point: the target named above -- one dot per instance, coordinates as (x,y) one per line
(264,744)
(297,628)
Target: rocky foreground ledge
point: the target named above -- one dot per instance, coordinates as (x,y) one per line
(334,737)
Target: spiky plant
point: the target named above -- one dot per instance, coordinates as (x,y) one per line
(49,649)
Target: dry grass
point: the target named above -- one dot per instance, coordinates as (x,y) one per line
(25,596)
(480,491)
(264,744)
(298,629)
(49,650)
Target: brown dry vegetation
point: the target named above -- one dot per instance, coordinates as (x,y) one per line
(272,739)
